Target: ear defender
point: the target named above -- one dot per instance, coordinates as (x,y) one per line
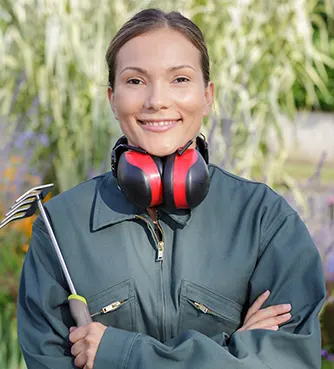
(179,181)
(139,178)
(185,180)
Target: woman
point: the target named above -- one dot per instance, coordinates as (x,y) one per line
(226,276)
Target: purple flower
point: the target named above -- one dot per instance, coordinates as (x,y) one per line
(329,266)
(44,140)
(330,357)
(327,356)
(25,138)
(22,139)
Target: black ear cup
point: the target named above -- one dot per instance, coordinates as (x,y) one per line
(186,180)
(139,177)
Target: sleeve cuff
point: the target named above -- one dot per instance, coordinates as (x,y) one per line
(114,349)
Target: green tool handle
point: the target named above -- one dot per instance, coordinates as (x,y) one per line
(79,310)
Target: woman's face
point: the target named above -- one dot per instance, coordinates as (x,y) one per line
(159,95)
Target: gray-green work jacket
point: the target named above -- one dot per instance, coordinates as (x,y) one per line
(175,303)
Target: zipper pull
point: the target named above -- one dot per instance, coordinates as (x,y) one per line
(113,306)
(201,307)
(160,255)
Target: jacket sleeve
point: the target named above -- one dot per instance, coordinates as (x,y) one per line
(289,265)
(43,316)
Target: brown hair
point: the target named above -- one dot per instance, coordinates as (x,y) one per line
(151,19)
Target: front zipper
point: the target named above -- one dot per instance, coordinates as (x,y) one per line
(204,309)
(160,244)
(159,258)
(111,307)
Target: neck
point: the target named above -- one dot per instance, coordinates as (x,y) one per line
(152,213)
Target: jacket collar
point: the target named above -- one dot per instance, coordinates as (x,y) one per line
(111,207)
(180,216)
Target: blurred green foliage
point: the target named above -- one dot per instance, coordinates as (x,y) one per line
(323,36)
(327,365)
(10,353)
(54,77)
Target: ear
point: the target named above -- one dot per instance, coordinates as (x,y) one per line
(208,98)
(111,98)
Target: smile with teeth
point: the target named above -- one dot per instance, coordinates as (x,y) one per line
(161,123)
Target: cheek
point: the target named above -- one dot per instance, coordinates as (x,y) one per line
(191,101)
(127,102)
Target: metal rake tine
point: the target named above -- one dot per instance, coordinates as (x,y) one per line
(20,209)
(10,219)
(40,190)
(19,214)
(26,205)
(31,195)
(18,205)
(46,189)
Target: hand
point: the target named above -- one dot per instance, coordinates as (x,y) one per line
(85,341)
(269,318)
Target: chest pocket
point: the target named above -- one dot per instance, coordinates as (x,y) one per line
(207,312)
(115,306)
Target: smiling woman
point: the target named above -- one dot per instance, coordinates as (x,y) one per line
(213,272)
(160,106)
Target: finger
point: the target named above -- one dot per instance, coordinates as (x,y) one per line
(89,364)
(81,360)
(78,347)
(270,322)
(78,334)
(273,328)
(257,304)
(268,312)
(72,329)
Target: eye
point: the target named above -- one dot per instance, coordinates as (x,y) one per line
(182,79)
(134,81)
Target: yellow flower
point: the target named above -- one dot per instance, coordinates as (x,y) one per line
(27,225)
(16,159)
(9,173)
(25,247)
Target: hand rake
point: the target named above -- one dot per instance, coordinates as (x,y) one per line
(24,207)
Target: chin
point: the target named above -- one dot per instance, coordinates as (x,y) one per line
(161,153)
(161,150)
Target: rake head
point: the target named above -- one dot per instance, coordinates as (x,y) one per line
(26,205)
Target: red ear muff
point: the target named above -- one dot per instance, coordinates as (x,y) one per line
(139,178)
(186,180)
(181,181)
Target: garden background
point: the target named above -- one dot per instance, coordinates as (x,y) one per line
(273,119)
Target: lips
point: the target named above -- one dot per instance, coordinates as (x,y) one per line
(156,123)
(159,125)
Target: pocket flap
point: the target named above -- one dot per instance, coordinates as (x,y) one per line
(119,292)
(215,302)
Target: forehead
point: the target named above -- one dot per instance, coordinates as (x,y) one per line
(159,49)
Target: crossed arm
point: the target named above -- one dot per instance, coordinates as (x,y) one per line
(86,339)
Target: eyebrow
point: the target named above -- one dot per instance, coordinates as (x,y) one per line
(144,71)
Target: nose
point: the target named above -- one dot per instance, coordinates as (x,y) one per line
(157,97)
